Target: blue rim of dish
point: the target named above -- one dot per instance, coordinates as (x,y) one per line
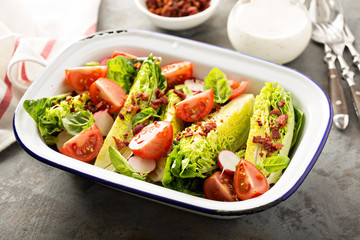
(176,203)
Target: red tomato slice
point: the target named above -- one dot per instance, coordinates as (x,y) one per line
(219,187)
(103,62)
(85,146)
(176,73)
(118,53)
(237,88)
(197,107)
(153,141)
(249,181)
(109,92)
(81,78)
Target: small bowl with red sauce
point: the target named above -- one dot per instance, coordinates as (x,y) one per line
(177,14)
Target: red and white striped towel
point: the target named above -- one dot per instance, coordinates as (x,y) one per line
(32,33)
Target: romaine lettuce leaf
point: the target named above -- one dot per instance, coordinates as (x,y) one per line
(195,157)
(147,80)
(272,96)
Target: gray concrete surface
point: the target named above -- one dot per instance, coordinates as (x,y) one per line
(41,202)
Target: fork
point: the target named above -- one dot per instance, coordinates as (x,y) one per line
(335,40)
(349,40)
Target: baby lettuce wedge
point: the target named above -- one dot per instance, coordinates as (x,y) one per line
(194,158)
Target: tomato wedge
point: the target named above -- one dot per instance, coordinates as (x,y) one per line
(153,141)
(237,88)
(219,187)
(118,53)
(197,107)
(249,181)
(109,92)
(176,73)
(85,146)
(81,78)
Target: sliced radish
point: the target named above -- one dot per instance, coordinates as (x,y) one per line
(227,161)
(142,165)
(62,138)
(104,121)
(195,85)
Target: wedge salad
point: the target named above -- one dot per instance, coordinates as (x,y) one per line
(158,123)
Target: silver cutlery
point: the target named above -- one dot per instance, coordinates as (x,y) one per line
(335,40)
(337,96)
(349,40)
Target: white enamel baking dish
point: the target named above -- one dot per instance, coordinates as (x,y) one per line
(307,95)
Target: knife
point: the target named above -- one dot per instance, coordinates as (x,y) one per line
(337,97)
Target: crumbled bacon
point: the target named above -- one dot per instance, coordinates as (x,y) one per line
(259,122)
(164,100)
(145,96)
(282,119)
(138,128)
(120,144)
(281,103)
(275,134)
(276,111)
(278,145)
(208,127)
(267,144)
(180,94)
(136,109)
(129,108)
(188,135)
(139,95)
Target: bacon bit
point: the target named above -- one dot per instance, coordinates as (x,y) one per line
(261,154)
(120,144)
(157,92)
(161,94)
(138,128)
(202,134)
(157,101)
(188,135)
(259,122)
(208,127)
(275,134)
(139,95)
(188,129)
(121,116)
(276,111)
(266,144)
(281,103)
(137,65)
(180,94)
(145,96)
(129,108)
(164,100)
(282,119)
(153,106)
(278,145)
(136,109)
(125,135)
(73,93)
(72,109)
(268,155)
